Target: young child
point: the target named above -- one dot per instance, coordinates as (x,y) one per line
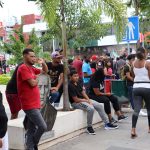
(108,70)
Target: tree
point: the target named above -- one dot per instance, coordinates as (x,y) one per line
(51,8)
(140,6)
(141,9)
(1,4)
(17,43)
(80,27)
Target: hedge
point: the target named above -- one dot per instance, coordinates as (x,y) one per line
(4,79)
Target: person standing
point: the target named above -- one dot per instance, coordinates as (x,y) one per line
(55,71)
(141,88)
(77,64)
(12,95)
(129,81)
(120,64)
(29,96)
(129,78)
(87,72)
(3,126)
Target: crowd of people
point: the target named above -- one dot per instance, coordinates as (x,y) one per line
(86,89)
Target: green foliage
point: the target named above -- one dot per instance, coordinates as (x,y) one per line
(1,4)
(141,9)
(18,43)
(11,61)
(4,79)
(45,56)
(34,42)
(75,11)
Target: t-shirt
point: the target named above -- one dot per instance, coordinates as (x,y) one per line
(126,70)
(86,69)
(95,84)
(110,71)
(74,90)
(54,72)
(77,64)
(29,96)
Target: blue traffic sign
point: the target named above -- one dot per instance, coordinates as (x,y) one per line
(132,29)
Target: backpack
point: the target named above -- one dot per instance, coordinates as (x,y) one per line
(122,71)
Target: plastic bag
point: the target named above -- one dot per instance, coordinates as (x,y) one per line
(49,114)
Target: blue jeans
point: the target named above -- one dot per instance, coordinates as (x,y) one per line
(90,111)
(54,97)
(130,95)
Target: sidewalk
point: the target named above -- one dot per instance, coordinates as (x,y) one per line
(111,139)
(104,140)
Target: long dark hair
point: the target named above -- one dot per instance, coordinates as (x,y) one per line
(107,61)
(140,53)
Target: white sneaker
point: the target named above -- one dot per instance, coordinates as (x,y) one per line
(143,114)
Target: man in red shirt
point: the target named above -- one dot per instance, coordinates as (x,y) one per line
(77,64)
(29,96)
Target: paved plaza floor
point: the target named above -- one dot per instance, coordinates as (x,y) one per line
(105,139)
(111,139)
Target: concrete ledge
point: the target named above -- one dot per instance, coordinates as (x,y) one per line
(67,125)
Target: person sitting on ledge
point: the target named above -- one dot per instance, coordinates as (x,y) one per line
(96,92)
(79,100)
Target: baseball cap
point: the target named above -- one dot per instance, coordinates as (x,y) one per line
(56,55)
(94,57)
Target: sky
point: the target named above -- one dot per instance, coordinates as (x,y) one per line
(17,8)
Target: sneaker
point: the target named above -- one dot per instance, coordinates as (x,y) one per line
(113,121)
(122,117)
(143,114)
(110,126)
(90,130)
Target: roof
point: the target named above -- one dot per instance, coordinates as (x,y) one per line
(111,40)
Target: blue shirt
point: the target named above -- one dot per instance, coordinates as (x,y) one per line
(86,69)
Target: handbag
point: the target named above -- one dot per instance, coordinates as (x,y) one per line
(49,114)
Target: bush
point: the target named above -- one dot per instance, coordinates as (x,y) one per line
(4,79)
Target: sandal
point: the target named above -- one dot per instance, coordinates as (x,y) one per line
(133,136)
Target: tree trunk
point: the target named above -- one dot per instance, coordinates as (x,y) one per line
(136,5)
(66,104)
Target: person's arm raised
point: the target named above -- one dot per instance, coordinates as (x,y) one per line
(44,66)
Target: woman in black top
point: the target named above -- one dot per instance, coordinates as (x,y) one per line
(96,93)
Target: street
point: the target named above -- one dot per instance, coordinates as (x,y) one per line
(111,139)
